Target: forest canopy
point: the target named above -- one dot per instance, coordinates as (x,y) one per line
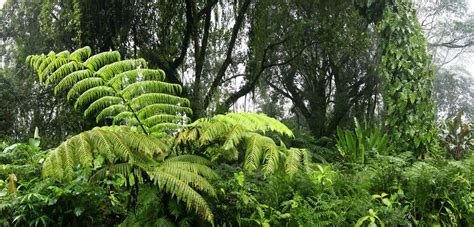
(236,113)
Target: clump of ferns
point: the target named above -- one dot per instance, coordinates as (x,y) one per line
(144,159)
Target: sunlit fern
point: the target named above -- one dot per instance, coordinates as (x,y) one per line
(124,91)
(227,135)
(129,153)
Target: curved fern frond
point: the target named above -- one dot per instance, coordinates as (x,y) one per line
(152,98)
(109,71)
(84,85)
(63,71)
(128,85)
(63,54)
(165,127)
(123,116)
(191,173)
(296,160)
(160,108)
(102,103)
(80,54)
(233,131)
(92,94)
(112,143)
(111,111)
(132,153)
(49,67)
(190,158)
(132,76)
(141,87)
(179,188)
(164,118)
(72,78)
(97,61)
(256,145)
(271,159)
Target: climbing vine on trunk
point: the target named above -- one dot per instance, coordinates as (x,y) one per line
(409,80)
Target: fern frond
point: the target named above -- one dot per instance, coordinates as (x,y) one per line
(180,171)
(84,85)
(102,103)
(112,143)
(141,87)
(163,118)
(63,54)
(123,116)
(110,70)
(293,162)
(80,54)
(97,61)
(72,78)
(260,122)
(63,71)
(132,76)
(183,192)
(197,168)
(113,88)
(93,94)
(111,111)
(165,127)
(256,146)
(271,159)
(48,67)
(234,137)
(154,109)
(153,98)
(232,131)
(191,158)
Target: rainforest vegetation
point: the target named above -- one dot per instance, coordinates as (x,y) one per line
(236,113)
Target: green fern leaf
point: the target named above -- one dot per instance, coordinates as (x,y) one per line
(93,94)
(97,61)
(84,85)
(71,79)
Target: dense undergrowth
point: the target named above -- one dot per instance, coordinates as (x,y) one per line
(386,189)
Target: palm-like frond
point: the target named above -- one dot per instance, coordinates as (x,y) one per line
(113,88)
(233,131)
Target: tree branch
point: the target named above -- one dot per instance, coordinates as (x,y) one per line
(228,59)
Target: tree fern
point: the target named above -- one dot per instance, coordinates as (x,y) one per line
(131,153)
(122,90)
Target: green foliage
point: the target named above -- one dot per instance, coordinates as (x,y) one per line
(120,150)
(371,217)
(457,137)
(409,81)
(364,141)
(224,136)
(124,91)
(441,192)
